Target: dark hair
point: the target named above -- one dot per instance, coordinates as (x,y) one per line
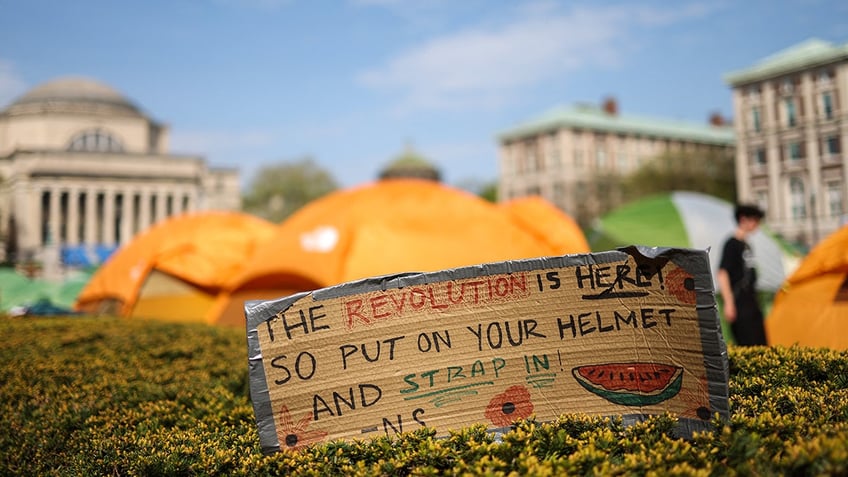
(748,210)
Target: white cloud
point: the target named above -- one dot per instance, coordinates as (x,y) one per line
(11,84)
(478,67)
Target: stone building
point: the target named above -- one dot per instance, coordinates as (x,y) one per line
(791,128)
(573,156)
(83,169)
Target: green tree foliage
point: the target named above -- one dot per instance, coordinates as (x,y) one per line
(279,189)
(710,172)
(485,189)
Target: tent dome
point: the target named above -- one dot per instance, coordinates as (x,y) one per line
(390,226)
(548,223)
(175,269)
(811,308)
(382,228)
(73,94)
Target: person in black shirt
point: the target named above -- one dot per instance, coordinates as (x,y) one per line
(737,279)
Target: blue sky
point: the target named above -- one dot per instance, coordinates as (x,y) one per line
(350,82)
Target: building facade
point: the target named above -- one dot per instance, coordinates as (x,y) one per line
(573,156)
(791,128)
(83,170)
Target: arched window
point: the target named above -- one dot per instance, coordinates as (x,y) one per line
(95,140)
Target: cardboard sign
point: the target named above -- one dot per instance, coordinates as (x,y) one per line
(632,332)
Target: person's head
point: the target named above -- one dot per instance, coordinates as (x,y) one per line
(748,216)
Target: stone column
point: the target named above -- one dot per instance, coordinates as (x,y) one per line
(816,192)
(27,211)
(843,155)
(742,163)
(53,223)
(144,211)
(39,214)
(109,217)
(127,216)
(191,201)
(90,237)
(159,213)
(778,207)
(73,217)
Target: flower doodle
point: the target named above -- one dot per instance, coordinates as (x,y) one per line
(682,285)
(509,406)
(293,436)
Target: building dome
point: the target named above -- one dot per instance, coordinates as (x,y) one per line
(410,164)
(73,95)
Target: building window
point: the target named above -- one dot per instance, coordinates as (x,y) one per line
(798,198)
(600,159)
(95,140)
(789,106)
(621,164)
(831,145)
(759,156)
(795,151)
(555,158)
(580,191)
(834,198)
(559,194)
(827,105)
(755,119)
(578,159)
(787,87)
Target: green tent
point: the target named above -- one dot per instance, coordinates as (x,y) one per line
(691,220)
(18,290)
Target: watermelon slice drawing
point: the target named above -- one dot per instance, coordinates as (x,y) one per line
(631,384)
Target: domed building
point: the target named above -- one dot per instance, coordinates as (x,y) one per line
(409,164)
(83,169)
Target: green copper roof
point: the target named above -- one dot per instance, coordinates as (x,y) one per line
(410,164)
(810,53)
(595,119)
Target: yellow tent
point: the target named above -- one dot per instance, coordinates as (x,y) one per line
(175,269)
(811,309)
(386,227)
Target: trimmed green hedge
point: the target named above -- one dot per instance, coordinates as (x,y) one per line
(86,396)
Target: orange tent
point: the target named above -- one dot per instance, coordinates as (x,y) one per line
(386,227)
(175,269)
(812,307)
(548,223)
